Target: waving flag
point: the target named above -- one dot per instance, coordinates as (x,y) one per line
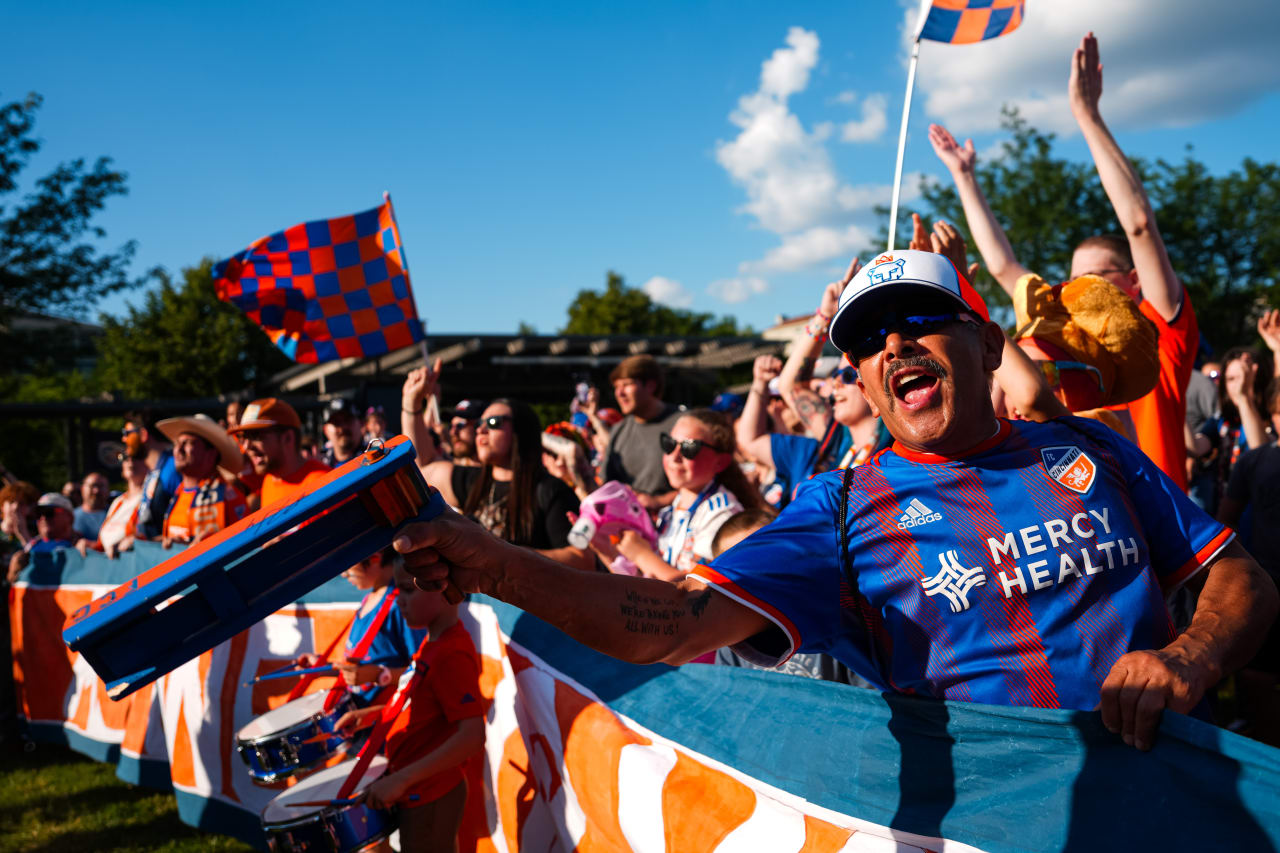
(969,21)
(333,288)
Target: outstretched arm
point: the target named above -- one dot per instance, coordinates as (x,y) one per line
(1159,283)
(419,385)
(793,381)
(989,237)
(1236,607)
(640,620)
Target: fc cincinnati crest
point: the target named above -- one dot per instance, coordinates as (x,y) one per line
(1070,467)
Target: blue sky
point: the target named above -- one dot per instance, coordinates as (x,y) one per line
(725,155)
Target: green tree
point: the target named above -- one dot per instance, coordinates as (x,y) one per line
(623,310)
(1222,236)
(48,257)
(184,342)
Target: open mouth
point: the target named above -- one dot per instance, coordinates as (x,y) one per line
(913,386)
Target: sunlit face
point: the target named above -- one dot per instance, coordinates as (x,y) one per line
(419,607)
(495,438)
(234,410)
(462,438)
(1102,262)
(931,389)
(693,474)
(849,406)
(133,469)
(375,424)
(343,434)
(633,394)
(264,448)
(369,573)
(94,491)
(193,456)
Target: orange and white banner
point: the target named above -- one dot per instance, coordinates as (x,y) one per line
(584,753)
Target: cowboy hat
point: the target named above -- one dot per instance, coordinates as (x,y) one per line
(229,457)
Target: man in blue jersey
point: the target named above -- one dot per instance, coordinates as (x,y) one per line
(975,559)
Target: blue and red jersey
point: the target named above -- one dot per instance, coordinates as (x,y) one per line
(1016,574)
(392,646)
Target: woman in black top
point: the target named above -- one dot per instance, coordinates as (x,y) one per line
(510,494)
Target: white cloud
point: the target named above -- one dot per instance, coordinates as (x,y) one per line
(735,290)
(668,292)
(786,171)
(872,124)
(1167,63)
(809,248)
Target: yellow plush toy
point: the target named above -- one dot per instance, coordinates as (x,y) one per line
(1090,340)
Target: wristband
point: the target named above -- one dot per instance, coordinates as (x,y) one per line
(413,411)
(384,676)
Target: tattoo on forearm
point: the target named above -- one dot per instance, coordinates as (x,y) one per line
(699,604)
(810,407)
(651,615)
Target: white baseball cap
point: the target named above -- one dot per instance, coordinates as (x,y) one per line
(894,278)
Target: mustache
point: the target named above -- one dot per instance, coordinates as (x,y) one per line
(900,365)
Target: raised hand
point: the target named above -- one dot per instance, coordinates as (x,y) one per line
(919,235)
(957,159)
(1084,89)
(764,369)
(1269,330)
(1240,385)
(419,384)
(831,293)
(946,240)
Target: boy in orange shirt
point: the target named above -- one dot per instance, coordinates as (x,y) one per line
(440,729)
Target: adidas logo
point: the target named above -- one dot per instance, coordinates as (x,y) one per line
(917,514)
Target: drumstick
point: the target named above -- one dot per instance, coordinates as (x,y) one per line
(312,804)
(327,669)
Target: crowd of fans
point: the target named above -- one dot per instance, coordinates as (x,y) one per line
(1118,342)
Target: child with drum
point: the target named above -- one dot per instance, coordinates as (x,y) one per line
(379,641)
(429,740)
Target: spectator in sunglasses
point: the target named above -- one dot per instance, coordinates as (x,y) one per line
(510,493)
(837,434)
(54,530)
(697,457)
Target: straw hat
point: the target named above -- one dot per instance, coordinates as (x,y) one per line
(229,457)
(1096,323)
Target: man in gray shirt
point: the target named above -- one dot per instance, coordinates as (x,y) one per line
(634,456)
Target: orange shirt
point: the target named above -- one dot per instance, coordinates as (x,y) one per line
(275,487)
(197,512)
(447,693)
(1158,417)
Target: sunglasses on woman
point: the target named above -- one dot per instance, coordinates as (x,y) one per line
(846,375)
(493,421)
(689,448)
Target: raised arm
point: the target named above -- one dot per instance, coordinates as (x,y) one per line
(988,237)
(419,385)
(752,429)
(1156,278)
(793,381)
(635,619)
(1269,331)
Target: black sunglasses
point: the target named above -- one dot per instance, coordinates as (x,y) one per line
(494,421)
(846,375)
(868,342)
(689,448)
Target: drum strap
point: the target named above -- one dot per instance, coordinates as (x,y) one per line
(362,647)
(301,687)
(372,746)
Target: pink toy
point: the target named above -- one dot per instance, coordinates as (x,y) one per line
(608,511)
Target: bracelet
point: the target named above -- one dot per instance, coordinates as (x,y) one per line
(414,411)
(384,676)
(754,389)
(815,331)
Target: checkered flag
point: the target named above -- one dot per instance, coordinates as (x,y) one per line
(333,288)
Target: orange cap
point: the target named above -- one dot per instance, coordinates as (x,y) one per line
(267,413)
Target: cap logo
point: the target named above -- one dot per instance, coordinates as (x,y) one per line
(883,259)
(250,413)
(886,271)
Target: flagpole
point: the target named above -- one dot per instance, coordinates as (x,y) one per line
(902,141)
(433,403)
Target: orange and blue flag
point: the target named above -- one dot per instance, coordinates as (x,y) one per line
(969,21)
(333,288)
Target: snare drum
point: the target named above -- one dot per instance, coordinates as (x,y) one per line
(340,829)
(295,738)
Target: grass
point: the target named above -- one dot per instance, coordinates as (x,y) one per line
(53,800)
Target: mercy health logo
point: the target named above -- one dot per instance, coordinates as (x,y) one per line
(917,514)
(1070,467)
(954,581)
